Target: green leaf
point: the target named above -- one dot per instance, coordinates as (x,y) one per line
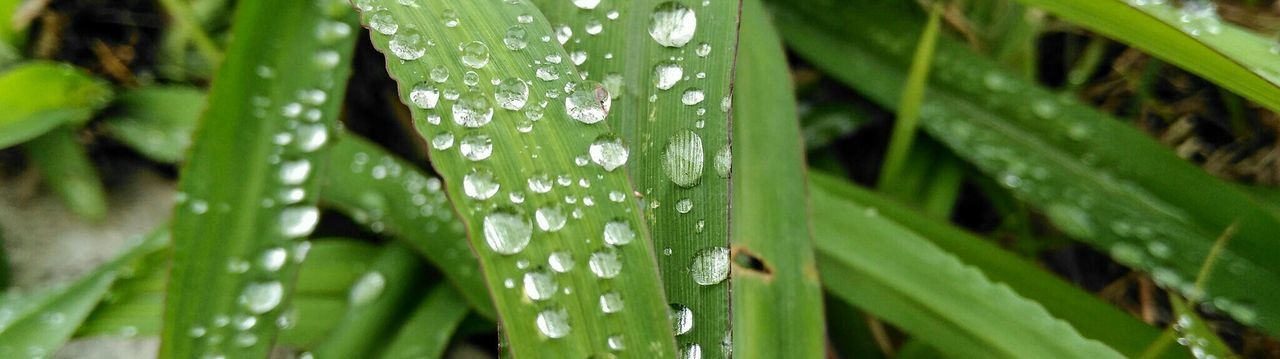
(777,300)
(1093,317)
(157,121)
(37,323)
(519,162)
(1096,178)
(39,96)
(247,193)
(426,333)
(376,302)
(669,67)
(1195,334)
(66,168)
(904,126)
(897,275)
(1204,44)
(391,196)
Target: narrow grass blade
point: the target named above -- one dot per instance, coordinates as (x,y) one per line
(1093,317)
(1096,178)
(427,332)
(40,96)
(1192,37)
(247,192)
(897,275)
(904,127)
(65,167)
(669,67)
(157,121)
(376,303)
(533,172)
(1194,333)
(777,300)
(390,196)
(37,323)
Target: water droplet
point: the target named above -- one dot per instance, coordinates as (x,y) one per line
(608,152)
(273,259)
(692,97)
(475,54)
(367,289)
(262,297)
(449,17)
(295,172)
(512,94)
(703,49)
(588,102)
(425,95)
(561,262)
(539,286)
(594,27)
(298,221)
(618,233)
(550,219)
(710,266)
(507,232)
(563,33)
(439,74)
(442,141)
(616,344)
(554,323)
(684,205)
(586,4)
(472,110)
(382,22)
(724,161)
(691,351)
(681,318)
(605,263)
(540,183)
(516,38)
(476,147)
(667,74)
(672,24)
(480,184)
(408,44)
(683,158)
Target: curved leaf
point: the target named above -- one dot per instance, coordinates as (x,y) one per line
(427,332)
(39,96)
(157,121)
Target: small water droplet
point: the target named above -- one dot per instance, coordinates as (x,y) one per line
(605,263)
(561,262)
(608,152)
(692,97)
(507,232)
(408,44)
(554,322)
(472,110)
(616,344)
(475,54)
(588,102)
(480,184)
(449,17)
(724,161)
(672,24)
(425,95)
(684,206)
(586,4)
(262,297)
(476,147)
(298,221)
(667,74)
(618,233)
(516,38)
(611,302)
(273,259)
(681,318)
(512,94)
(382,22)
(550,219)
(540,183)
(442,141)
(367,289)
(710,266)
(539,286)
(683,158)
(691,351)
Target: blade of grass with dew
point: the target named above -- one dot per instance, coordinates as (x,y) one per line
(331,268)
(37,323)
(156,121)
(66,168)
(376,304)
(1192,37)
(899,276)
(904,126)
(669,67)
(1194,333)
(391,196)
(1098,179)
(247,193)
(1091,316)
(534,172)
(777,300)
(427,332)
(40,96)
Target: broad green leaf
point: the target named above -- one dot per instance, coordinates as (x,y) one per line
(1093,317)
(669,67)
(1192,37)
(427,332)
(39,96)
(376,303)
(247,193)
(895,274)
(66,168)
(534,172)
(1194,333)
(157,121)
(1096,178)
(37,323)
(391,196)
(777,300)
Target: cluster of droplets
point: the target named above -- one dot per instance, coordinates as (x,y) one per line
(1188,337)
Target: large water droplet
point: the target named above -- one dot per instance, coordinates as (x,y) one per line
(476,147)
(618,233)
(554,323)
(550,219)
(507,232)
(408,44)
(382,22)
(586,4)
(539,286)
(298,221)
(262,297)
(605,263)
(512,94)
(561,262)
(608,152)
(611,302)
(480,184)
(367,289)
(588,102)
(667,74)
(683,158)
(710,266)
(472,110)
(672,24)
(681,318)
(475,54)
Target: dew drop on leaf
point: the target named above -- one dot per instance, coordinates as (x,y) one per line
(667,74)
(608,152)
(512,94)
(683,158)
(681,318)
(586,4)
(506,232)
(367,289)
(710,266)
(425,96)
(672,24)
(442,141)
(472,110)
(616,344)
(408,44)
(516,38)
(553,322)
(692,97)
(605,263)
(475,54)
(691,351)
(382,22)
(550,219)
(560,261)
(617,233)
(298,221)
(539,286)
(611,302)
(262,297)
(724,161)
(588,102)
(476,147)
(480,184)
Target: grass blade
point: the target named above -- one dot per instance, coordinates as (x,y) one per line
(376,301)
(1096,178)
(65,166)
(40,96)
(426,333)
(669,67)
(390,196)
(521,168)
(36,324)
(1204,44)
(266,124)
(904,127)
(896,275)
(157,121)
(777,300)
